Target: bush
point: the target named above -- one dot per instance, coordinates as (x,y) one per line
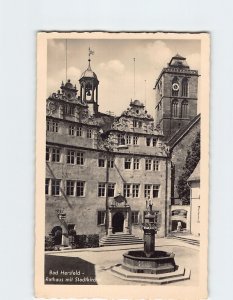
(87,241)
(49,243)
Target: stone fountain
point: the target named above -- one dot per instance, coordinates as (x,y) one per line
(150,265)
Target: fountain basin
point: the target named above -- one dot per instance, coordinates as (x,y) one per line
(160,262)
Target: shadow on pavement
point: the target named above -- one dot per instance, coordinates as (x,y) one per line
(69,270)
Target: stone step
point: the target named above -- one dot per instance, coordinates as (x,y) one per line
(187,240)
(179,275)
(120,239)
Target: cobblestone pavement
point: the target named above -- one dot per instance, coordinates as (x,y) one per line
(105,257)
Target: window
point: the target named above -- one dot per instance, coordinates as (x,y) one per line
(52,126)
(155,191)
(135,123)
(70,157)
(101,217)
(126,190)
(71,130)
(101,162)
(128,139)
(135,140)
(89,133)
(155,165)
(121,139)
(70,188)
(140,124)
(47,180)
(148,164)
(80,188)
(184,109)
(56,187)
(111,187)
(184,87)
(156,214)
(101,189)
(111,162)
(55,155)
(79,131)
(72,110)
(136,163)
(47,153)
(148,141)
(135,190)
(135,217)
(80,158)
(147,190)
(175,108)
(127,163)
(154,142)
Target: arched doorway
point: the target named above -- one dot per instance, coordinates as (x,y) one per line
(117,222)
(57,235)
(175,224)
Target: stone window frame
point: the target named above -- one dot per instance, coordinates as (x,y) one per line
(128,139)
(79,131)
(127,190)
(185,87)
(175,108)
(55,155)
(136,163)
(155,191)
(47,186)
(70,187)
(135,190)
(184,109)
(156,165)
(128,161)
(101,217)
(147,190)
(80,189)
(52,126)
(148,164)
(111,189)
(135,140)
(148,141)
(110,162)
(101,189)
(101,162)
(135,217)
(71,130)
(55,187)
(89,133)
(80,160)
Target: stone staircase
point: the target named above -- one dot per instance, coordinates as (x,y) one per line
(120,239)
(187,239)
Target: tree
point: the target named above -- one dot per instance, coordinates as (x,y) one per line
(192,159)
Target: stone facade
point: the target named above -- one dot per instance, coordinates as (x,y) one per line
(179,146)
(175,96)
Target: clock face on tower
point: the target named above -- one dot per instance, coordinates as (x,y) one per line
(175,87)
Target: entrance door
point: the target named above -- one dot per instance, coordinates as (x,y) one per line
(117,222)
(57,235)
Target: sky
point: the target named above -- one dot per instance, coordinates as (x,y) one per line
(113,63)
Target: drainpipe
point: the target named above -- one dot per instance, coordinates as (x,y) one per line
(166,186)
(106,198)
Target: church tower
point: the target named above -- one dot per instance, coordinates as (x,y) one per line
(175,96)
(89,87)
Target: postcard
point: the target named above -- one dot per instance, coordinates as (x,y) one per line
(122,165)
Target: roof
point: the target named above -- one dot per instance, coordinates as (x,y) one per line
(195,176)
(174,139)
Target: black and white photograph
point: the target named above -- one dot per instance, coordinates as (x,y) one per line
(122,162)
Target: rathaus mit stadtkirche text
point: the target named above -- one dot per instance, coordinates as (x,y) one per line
(101,169)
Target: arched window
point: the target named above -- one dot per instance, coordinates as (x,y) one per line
(184,89)
(174,108)
(184,109)
(175,86)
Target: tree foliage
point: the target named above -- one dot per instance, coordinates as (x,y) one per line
(192,159)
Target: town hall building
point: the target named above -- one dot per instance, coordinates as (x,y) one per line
(102,170)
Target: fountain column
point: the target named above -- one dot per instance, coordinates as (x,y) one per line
(149,229)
